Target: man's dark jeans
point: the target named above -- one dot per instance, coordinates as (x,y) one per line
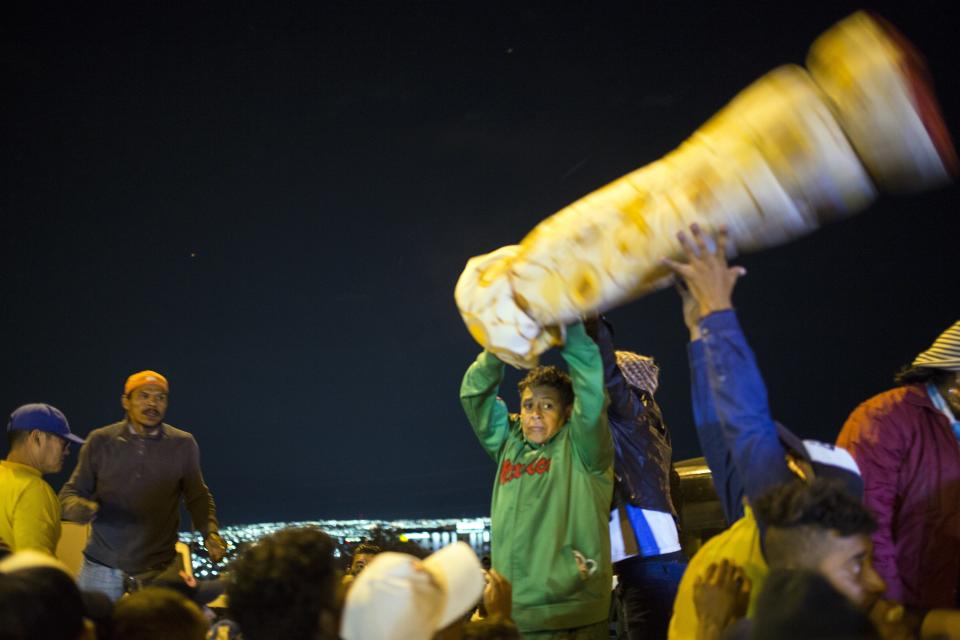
(645,593)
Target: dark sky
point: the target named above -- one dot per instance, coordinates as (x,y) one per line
(271,205)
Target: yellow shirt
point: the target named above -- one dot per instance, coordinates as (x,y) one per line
(29,509)
(740,544)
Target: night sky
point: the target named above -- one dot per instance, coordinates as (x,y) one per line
(271,205)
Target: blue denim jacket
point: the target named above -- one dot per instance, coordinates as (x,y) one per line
(737,434)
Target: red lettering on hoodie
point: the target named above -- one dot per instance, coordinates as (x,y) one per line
(510,471)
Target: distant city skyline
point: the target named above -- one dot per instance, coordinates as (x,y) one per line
(430,534)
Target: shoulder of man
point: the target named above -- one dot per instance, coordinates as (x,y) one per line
(890,408)
(109,431)
(171,431)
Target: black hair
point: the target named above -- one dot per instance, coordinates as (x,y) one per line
(284,585)
(823,504)
(549,376)
(40,603)
(393,540)
(798,604)
(922,375)
(15,437)
(366,548)
(158,613)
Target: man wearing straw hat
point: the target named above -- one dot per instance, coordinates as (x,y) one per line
(905,442)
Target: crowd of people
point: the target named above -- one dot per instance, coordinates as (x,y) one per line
(858,539)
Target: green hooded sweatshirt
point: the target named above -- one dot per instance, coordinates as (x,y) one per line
(551,501)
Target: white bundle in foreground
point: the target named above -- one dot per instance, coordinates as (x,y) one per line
(790,152)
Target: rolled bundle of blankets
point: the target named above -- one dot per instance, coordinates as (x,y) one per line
(797,148)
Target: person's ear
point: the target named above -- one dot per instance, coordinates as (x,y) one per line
(125,402)
(567,412)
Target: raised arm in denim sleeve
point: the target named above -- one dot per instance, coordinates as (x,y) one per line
(726,480)
(589,429)
(486,412)
(740,398)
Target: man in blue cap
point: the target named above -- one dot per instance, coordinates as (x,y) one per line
(40,438)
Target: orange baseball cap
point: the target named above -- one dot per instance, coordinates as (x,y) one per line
(145,377)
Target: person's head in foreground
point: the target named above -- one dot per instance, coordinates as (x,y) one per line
(821,527)
(801,604)
(362,556)
(546,400)
(158,613)
(398,597)
(940,366)
(49,592)
(40,603)
(285,586)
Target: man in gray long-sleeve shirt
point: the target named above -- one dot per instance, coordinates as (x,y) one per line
(129,480)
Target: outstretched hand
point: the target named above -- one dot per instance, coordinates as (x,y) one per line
(708,278)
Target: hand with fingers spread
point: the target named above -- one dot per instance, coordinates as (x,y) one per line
(721,596)
(706,274)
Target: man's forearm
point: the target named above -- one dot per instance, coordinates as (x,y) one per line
(590,429)
(624,404)
(74,508)
(723,472)
(486,414)
(740,397)
(200,504)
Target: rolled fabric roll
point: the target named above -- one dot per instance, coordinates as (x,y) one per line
(772,165)
(881,92)
(493,316)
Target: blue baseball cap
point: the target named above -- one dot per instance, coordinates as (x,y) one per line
(42,417)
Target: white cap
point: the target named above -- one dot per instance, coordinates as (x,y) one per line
(398,597)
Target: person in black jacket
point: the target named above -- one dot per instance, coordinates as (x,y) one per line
(645,543)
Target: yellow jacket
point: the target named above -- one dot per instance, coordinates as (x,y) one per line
(739,544)
(29,509)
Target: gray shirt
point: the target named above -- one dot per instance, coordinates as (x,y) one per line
(138,481)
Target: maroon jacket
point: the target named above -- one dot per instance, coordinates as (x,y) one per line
(910,461)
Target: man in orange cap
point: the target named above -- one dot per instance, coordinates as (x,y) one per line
(129,480)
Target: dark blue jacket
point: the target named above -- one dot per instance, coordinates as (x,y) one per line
(641,441)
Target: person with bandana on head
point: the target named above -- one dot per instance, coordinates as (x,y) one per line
(905,441)
(644,541)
